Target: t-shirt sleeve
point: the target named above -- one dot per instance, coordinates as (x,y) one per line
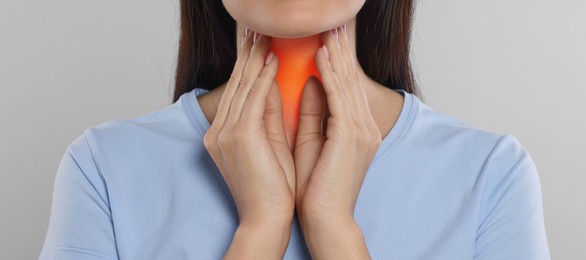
(80,226)
(511,224)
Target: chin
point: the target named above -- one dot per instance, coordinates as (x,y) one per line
(292,30)
(295,26)
(292,18)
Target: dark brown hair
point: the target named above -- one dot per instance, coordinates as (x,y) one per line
(207,44)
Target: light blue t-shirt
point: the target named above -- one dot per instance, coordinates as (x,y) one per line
(437,188)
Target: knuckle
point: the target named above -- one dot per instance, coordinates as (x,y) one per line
(243,80)
(262,78)
(373,139)
(313,114)
(232,77)
(251,92)
(378,137)
(264,73)
(253,50)
(362,138)
(209,142)
(349,79)
(377,141)
(224,140)
(240,134)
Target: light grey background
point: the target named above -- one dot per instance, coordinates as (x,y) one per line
(508,66)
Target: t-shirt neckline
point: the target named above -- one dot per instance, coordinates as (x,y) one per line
(408,111)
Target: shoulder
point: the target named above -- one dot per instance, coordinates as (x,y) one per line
(455,139)
(495,169)
(502,155)
(444,130)
(127,135)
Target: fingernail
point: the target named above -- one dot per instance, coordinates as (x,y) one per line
(244,34)
(344,27)
(269,58)
(326,51)
(256,37)
(334,32)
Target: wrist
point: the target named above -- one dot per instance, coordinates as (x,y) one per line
(268,240)
(335,239)
(268,221)
(330,227)
(322,218)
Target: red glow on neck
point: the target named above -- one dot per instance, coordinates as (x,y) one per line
(296,64)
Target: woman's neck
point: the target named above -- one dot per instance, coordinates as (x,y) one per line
(296,64)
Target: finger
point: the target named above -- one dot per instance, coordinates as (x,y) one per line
(311,111)
(252,69)
(352,78)
(273,115)
(309,140)
(335,95)
(331,40)
(325,121)
(233,82)
(346,50)
(259,102)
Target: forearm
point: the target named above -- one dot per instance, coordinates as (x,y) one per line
(263,241)
(335,239)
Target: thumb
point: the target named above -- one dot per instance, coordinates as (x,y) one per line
(309,132)
(311,110)
(275,128)
(273,115)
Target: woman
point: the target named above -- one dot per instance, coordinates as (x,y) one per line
(349,163)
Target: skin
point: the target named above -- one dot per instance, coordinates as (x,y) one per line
(247,138)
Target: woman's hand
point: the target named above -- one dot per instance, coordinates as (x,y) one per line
(330,169)
(248,144)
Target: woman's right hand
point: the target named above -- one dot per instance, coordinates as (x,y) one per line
(247,139)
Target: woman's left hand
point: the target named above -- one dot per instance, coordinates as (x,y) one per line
(330,169)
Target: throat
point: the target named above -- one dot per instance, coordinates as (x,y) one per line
(296,64)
